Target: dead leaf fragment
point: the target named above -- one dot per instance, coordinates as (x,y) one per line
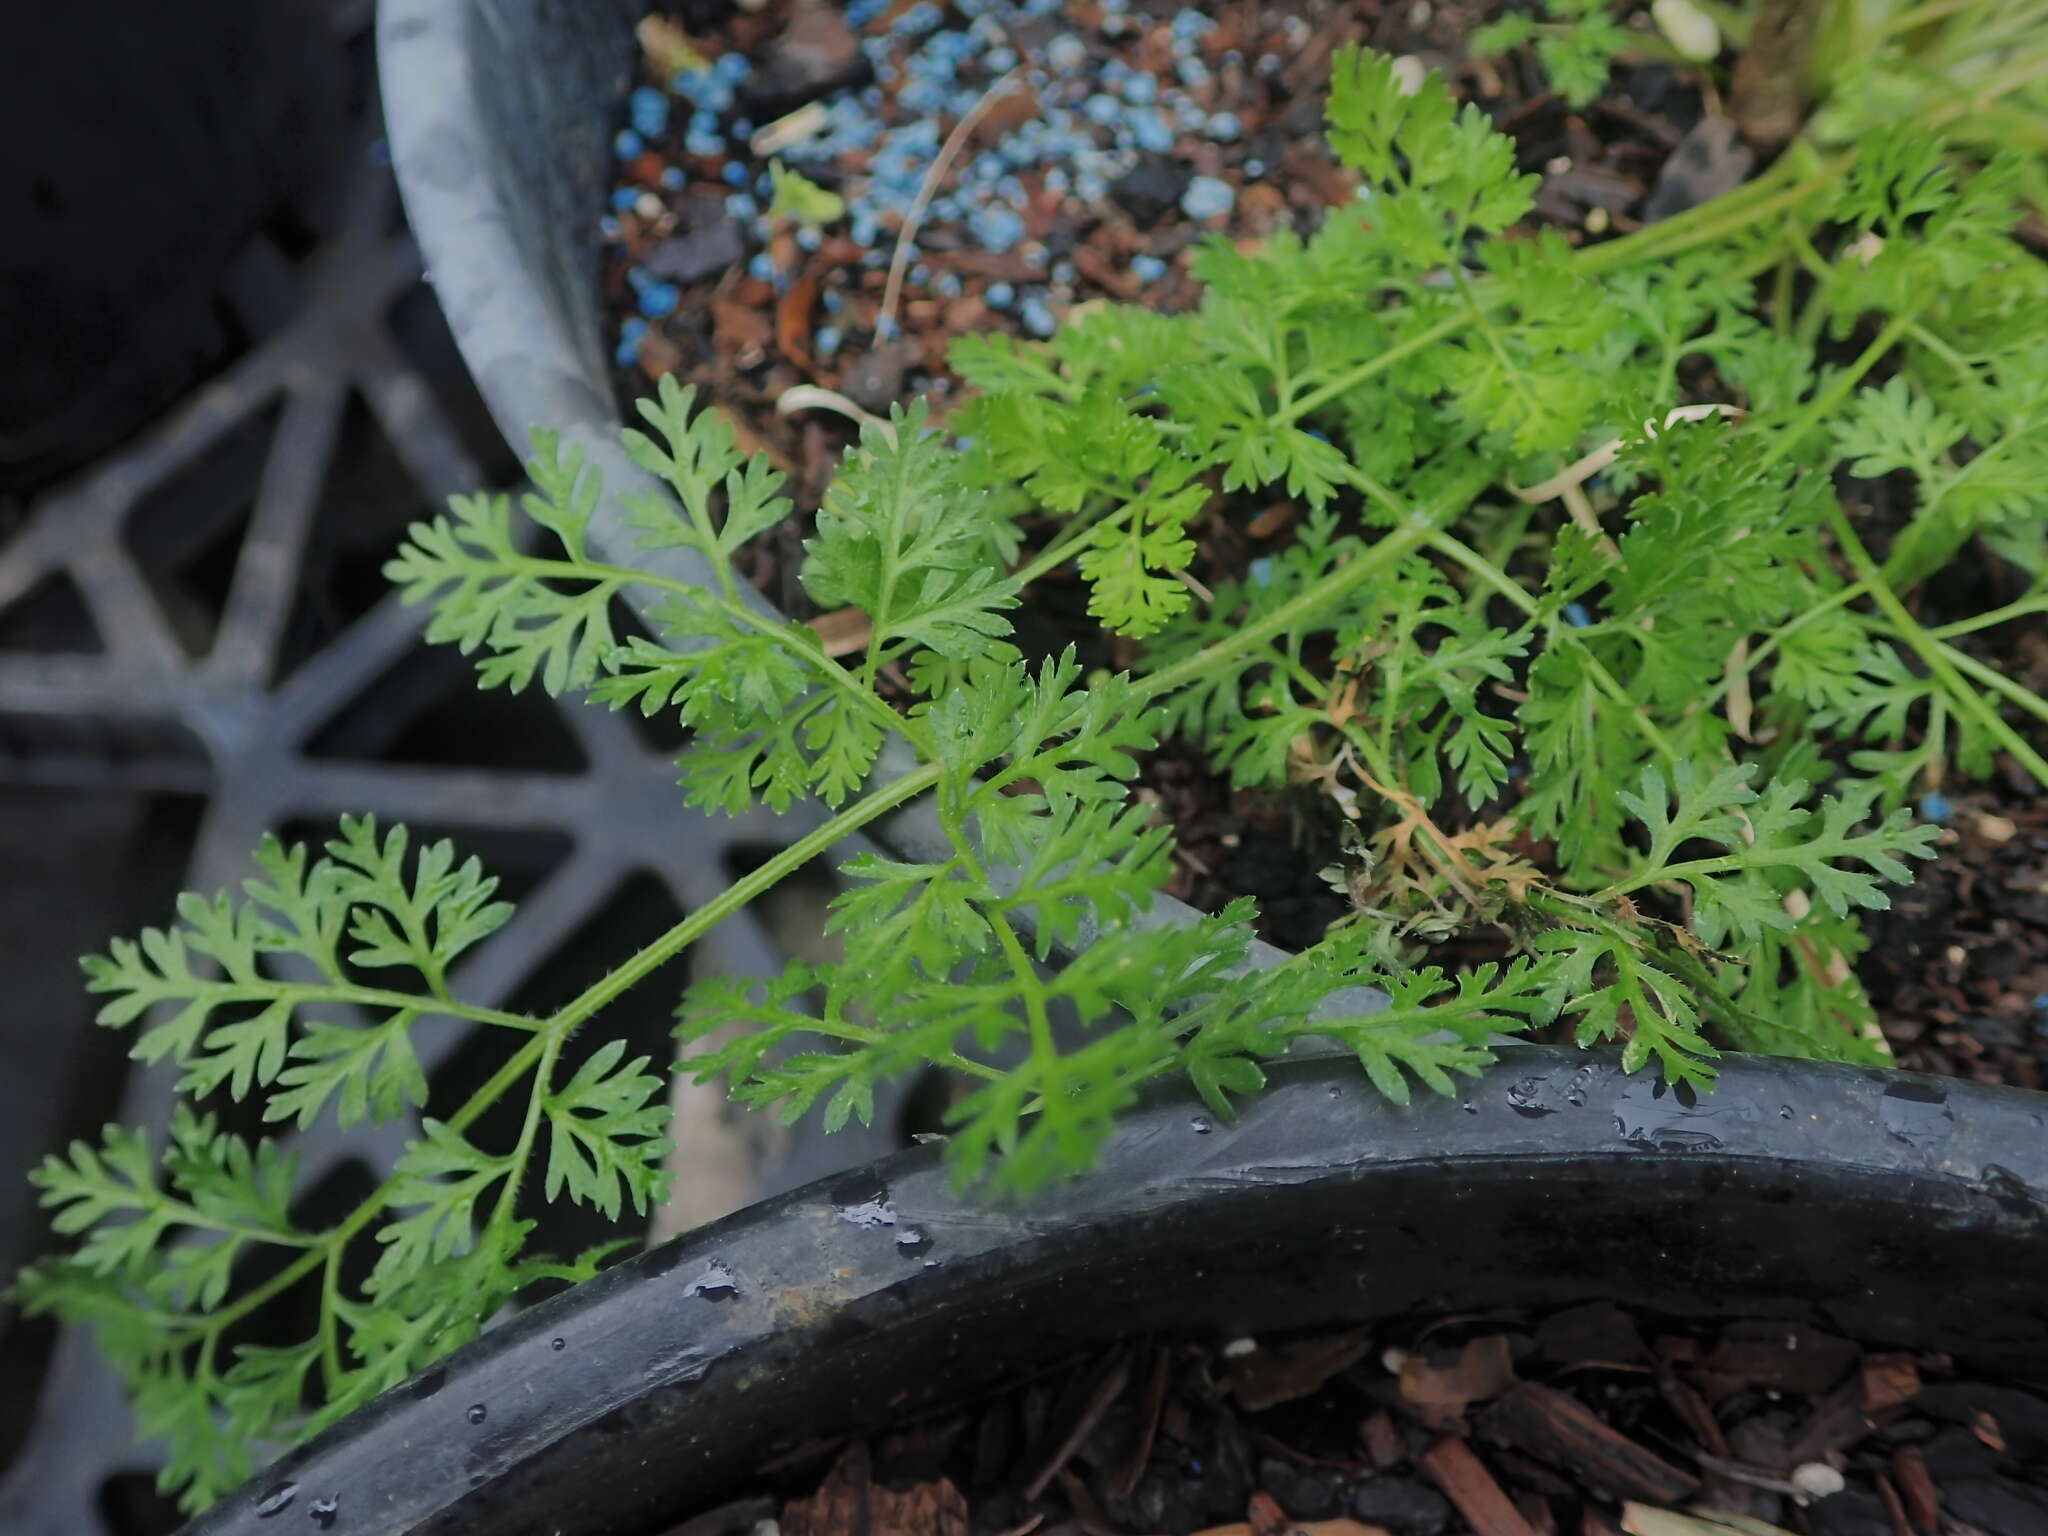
(1483,1369)
(1289,1371)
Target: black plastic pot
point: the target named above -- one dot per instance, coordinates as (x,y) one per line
(1898,1210)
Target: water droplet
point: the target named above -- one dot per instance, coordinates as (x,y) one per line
(1575,1093)
(911,1241)
(324,1510)
(477,1413)
(716,1282)
(1202,1125)
(1525,1098)
(1469,1107)
(277,1500)
(558,1344)
(1784,1111)
(1650,1116)
(1917,1113)
(1333,1091)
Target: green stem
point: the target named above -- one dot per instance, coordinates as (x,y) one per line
(1369,562)
(1456,549)
(1997,681)
(1931,651)
(529,1129)
(330,1314)
(741,892)
(2033,602)
(1819,407)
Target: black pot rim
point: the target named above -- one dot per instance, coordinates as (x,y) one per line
(1900,1209)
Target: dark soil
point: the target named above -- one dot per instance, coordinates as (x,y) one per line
(1585,1422)
(1956,968)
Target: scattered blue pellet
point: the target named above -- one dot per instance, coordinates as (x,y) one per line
(702,144)
(825,340)
(732,68)
(1141,89)
(626,144)
(1575,615)
(742,129)
(741,206)
(672,177)
(1148,269)
(995,229)
(1000,295)
(1066,53)
(948,285)
(1000,61)
(1261,571)
(735,174)
(1935,807)
(1036,315)
(648,110)
(1192,70)
(659,299)
(834,301)
(921,18)
(1189,25)
(808,238)
(1225,128)
(623,199)
(1207,198)
(762,267)
(1150,132)
(1102,110)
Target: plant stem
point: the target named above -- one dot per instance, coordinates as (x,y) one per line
(742,891)
(1394,544)
(529,1128)
(1930,650)
(1456,549)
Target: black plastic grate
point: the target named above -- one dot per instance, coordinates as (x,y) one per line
(197,623)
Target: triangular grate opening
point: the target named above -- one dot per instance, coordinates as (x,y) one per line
(185,533)
(426,709)
(51,619)
(367,501)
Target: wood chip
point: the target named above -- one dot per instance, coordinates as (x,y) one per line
(1888,1381)
(793,320)
(1916,1487)
(935,1508)
(1483,1369)
(1787,1357)
(1466,1483)
(1642,1520)
(1555,1427)
(1289,1371)
(840,1507)
(843,631)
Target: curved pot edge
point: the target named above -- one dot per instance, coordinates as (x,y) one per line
(642,1354)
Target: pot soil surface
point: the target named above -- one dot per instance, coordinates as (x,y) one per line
(1141,135)
(1587,1422)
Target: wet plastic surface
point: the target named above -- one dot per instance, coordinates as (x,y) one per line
(1794,1190)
